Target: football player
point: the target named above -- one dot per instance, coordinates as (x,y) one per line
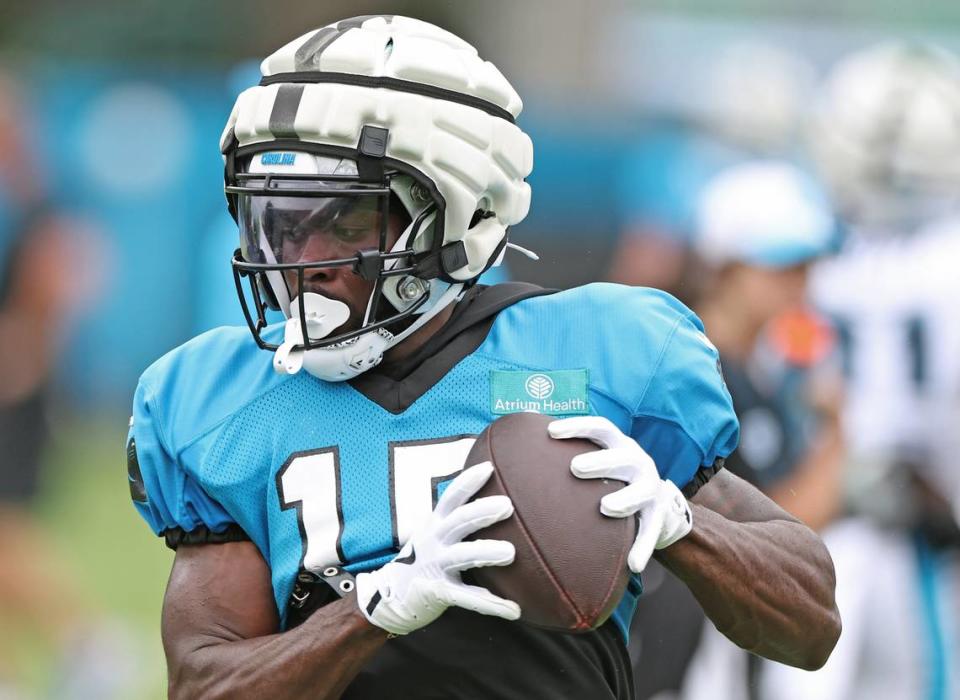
(311,477)
(760,226)
(886,135)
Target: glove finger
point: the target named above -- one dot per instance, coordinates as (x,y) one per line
(474,516)
(614,463)
(649,525)
(594,428)
(463,488)
(629,499)
(480,600)
(468,555)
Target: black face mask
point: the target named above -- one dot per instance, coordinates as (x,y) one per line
(303,223)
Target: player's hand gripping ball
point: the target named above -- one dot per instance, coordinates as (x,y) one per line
(663,512)
(424,579)
(570,570)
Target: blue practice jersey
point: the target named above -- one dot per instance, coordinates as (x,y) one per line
(318,473)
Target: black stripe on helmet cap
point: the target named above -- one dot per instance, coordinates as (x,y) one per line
(284,111)
(390,84)
(308,55)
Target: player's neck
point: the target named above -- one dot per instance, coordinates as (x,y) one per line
(416,340)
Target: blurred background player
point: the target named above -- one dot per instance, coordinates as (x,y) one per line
(759,227)
(886,136)
(44,280)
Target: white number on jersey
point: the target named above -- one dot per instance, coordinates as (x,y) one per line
(310,482)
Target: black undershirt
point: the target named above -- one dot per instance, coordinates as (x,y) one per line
(464,655)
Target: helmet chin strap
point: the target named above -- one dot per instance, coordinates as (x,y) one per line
(450,295)
(346,360)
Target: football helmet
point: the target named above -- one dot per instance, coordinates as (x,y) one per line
(348,121)
(885,134)
(766,213)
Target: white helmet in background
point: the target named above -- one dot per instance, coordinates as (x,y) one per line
(346,119)
(764,213)
(886,135)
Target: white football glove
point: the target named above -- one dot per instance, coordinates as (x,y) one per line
(664,514)
(414,589)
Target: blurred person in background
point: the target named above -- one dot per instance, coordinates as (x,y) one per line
(886,134)
(760,225)
(44,279)
(751,100)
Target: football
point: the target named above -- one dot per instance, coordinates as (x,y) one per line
(570,570)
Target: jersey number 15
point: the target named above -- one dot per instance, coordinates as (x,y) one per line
(310,481)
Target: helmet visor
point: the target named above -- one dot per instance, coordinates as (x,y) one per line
(305,230)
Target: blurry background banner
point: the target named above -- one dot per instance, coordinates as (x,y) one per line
(630,107)
(633,107)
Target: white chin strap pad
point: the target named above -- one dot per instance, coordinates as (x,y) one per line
(336,363)
(346,360)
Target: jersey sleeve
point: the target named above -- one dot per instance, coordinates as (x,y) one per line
(685,418)
(174,505)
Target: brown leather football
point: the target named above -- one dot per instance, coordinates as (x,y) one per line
(570,571)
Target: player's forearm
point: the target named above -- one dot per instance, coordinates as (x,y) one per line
(768,586)
(316,660)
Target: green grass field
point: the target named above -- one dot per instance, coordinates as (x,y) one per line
(102,548)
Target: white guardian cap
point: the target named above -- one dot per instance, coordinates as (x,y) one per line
(347,121)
